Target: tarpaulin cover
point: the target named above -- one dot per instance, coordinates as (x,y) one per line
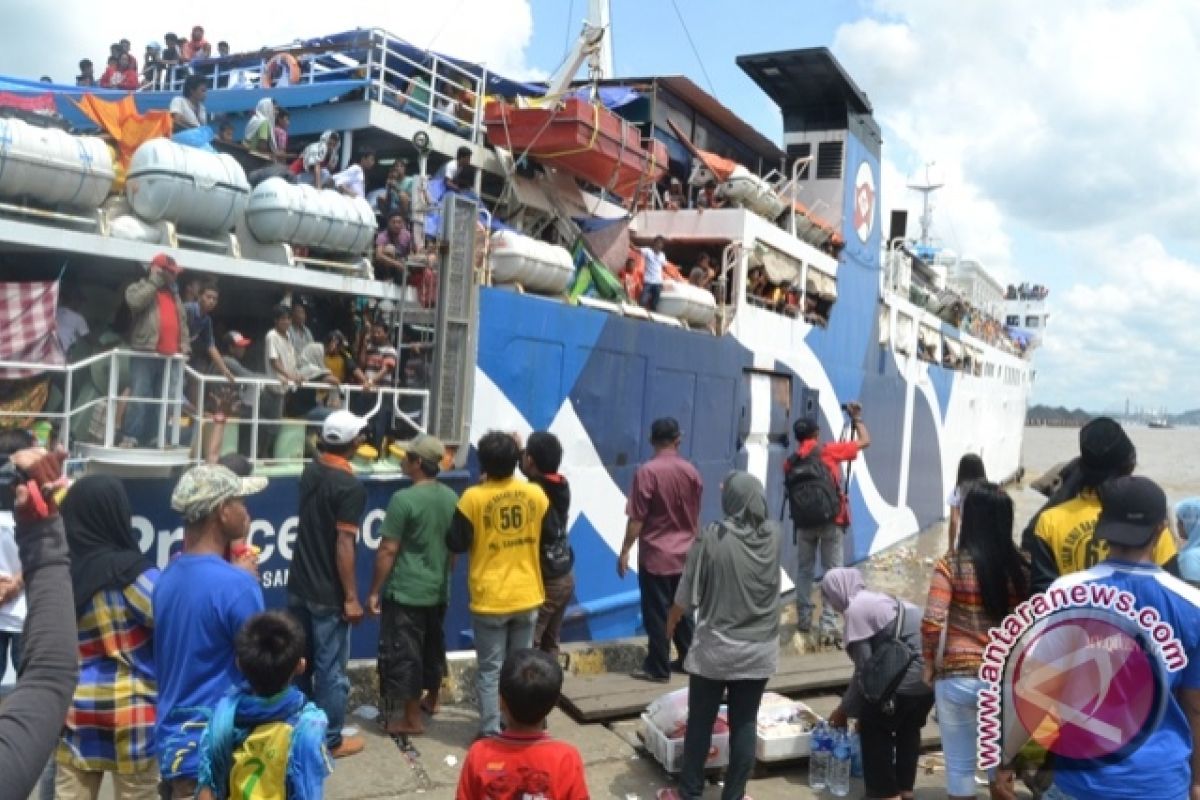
(122,121)
(592,279)
(608,242)
(28,331)
(610,96)
(35,103)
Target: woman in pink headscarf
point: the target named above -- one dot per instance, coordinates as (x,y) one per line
(890,731)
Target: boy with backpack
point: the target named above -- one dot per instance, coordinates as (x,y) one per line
(265,740)
(820,508)
(540,461)
(522,760)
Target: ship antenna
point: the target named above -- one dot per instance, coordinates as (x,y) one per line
(600,63)
(926,187)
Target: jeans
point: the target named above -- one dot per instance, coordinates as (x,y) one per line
(10,649)
(704,701)
(550,616)
(497,635)
(651,293)
(958,720)
(142,419)
(658,592)
(827,541)
(325,681)
(891,744)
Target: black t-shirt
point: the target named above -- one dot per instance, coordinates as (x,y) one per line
(331,500)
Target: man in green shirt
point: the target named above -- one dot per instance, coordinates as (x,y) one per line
(411,589)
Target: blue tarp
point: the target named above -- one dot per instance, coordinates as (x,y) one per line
(433,218)
(611,96)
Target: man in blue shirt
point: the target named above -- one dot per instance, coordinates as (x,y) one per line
(1164,764)
(205,355)
(200,603)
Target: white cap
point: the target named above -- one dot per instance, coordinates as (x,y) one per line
(342,427)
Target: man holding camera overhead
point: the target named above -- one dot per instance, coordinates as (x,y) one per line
(820,507)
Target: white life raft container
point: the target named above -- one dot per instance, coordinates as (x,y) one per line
(284,213)
(539,267)
(52,167)
(192,188)
(687,303)
(750,191)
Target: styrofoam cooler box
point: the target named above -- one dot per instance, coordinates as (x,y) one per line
(669,752)
(784,729)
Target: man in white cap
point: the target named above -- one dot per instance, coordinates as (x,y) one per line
(200,603)
(322,590)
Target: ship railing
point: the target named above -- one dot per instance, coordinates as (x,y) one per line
(67,380)
(316,64)
(407,406)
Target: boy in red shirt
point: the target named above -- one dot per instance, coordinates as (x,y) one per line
(523,761)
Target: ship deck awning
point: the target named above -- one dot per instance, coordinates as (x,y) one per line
(805,77)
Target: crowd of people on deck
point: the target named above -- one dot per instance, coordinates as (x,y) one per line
(1026,291)
(121,65)
(190,659)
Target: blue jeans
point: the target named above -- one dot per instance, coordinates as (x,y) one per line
(958,720)
(651,292)
(827,541)
(497,635)
(145,382)
(325,681)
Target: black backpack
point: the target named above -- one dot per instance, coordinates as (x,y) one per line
(557,555)
(889,662)
(812,496)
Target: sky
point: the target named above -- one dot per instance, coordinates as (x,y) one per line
(1062,131)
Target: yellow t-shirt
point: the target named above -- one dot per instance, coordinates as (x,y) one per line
(505,573)
(1067,531)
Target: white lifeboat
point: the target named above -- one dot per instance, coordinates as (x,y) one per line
(52,167)
(297,214)
(750,191)
(538,266)
(192,188)
(687,303)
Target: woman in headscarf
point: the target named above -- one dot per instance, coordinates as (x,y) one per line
(318,161)
(971,591)
(891,731)
(1187,525)
(731,582)
(313,369)
(260,130)
(110,725)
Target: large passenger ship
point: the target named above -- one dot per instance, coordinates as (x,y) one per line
(809,307)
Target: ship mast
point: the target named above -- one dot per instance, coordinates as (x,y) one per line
(600,62)
(926,187)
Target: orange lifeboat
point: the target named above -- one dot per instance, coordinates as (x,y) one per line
(582,139)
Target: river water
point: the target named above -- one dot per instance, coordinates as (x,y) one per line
(1163,455)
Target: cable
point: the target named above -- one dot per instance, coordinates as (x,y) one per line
(445,24)
(695,52)
(567,34)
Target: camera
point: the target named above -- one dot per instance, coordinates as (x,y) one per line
(10,478)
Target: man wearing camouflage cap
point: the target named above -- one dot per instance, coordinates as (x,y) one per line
(200,603)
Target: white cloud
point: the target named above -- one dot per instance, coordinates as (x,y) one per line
(51,38)
(1065,130)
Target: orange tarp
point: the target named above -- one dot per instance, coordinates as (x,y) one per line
(125,124)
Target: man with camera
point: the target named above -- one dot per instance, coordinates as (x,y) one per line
(820,507)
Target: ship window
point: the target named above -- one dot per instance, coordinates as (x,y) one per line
(1031,322)
(829,160)
(1012,319)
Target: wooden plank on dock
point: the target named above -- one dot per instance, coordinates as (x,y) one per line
(610,696)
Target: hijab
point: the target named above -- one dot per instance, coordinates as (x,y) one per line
(866,612)
(1188,514)
(736,579)
(264,116)
(330,158)
(104,551)
(312,361)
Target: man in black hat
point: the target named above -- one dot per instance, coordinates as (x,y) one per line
(820,507)
(1063,540)
(1132,526)
(664,519)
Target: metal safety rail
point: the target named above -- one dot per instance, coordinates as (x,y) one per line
(390,67)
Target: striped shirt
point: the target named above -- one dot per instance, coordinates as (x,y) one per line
(955,601)
(110,724)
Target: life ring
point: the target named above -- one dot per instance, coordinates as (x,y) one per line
(276,66)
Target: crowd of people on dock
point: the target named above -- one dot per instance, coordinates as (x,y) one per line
(179,681)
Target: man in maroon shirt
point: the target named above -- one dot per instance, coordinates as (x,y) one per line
(664,518)
(826,539)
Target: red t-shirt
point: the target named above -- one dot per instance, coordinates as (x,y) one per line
(665,498)
(832,454)
(168,324)
(513,766)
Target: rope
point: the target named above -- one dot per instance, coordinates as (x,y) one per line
(577,150)
(695,52)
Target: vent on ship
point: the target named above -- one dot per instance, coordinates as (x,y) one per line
(829,160)
(798,151)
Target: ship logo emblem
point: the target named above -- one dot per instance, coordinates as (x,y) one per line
(864,202)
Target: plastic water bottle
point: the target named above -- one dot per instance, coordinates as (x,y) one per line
(818,758)
(856,769)
(839,765)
